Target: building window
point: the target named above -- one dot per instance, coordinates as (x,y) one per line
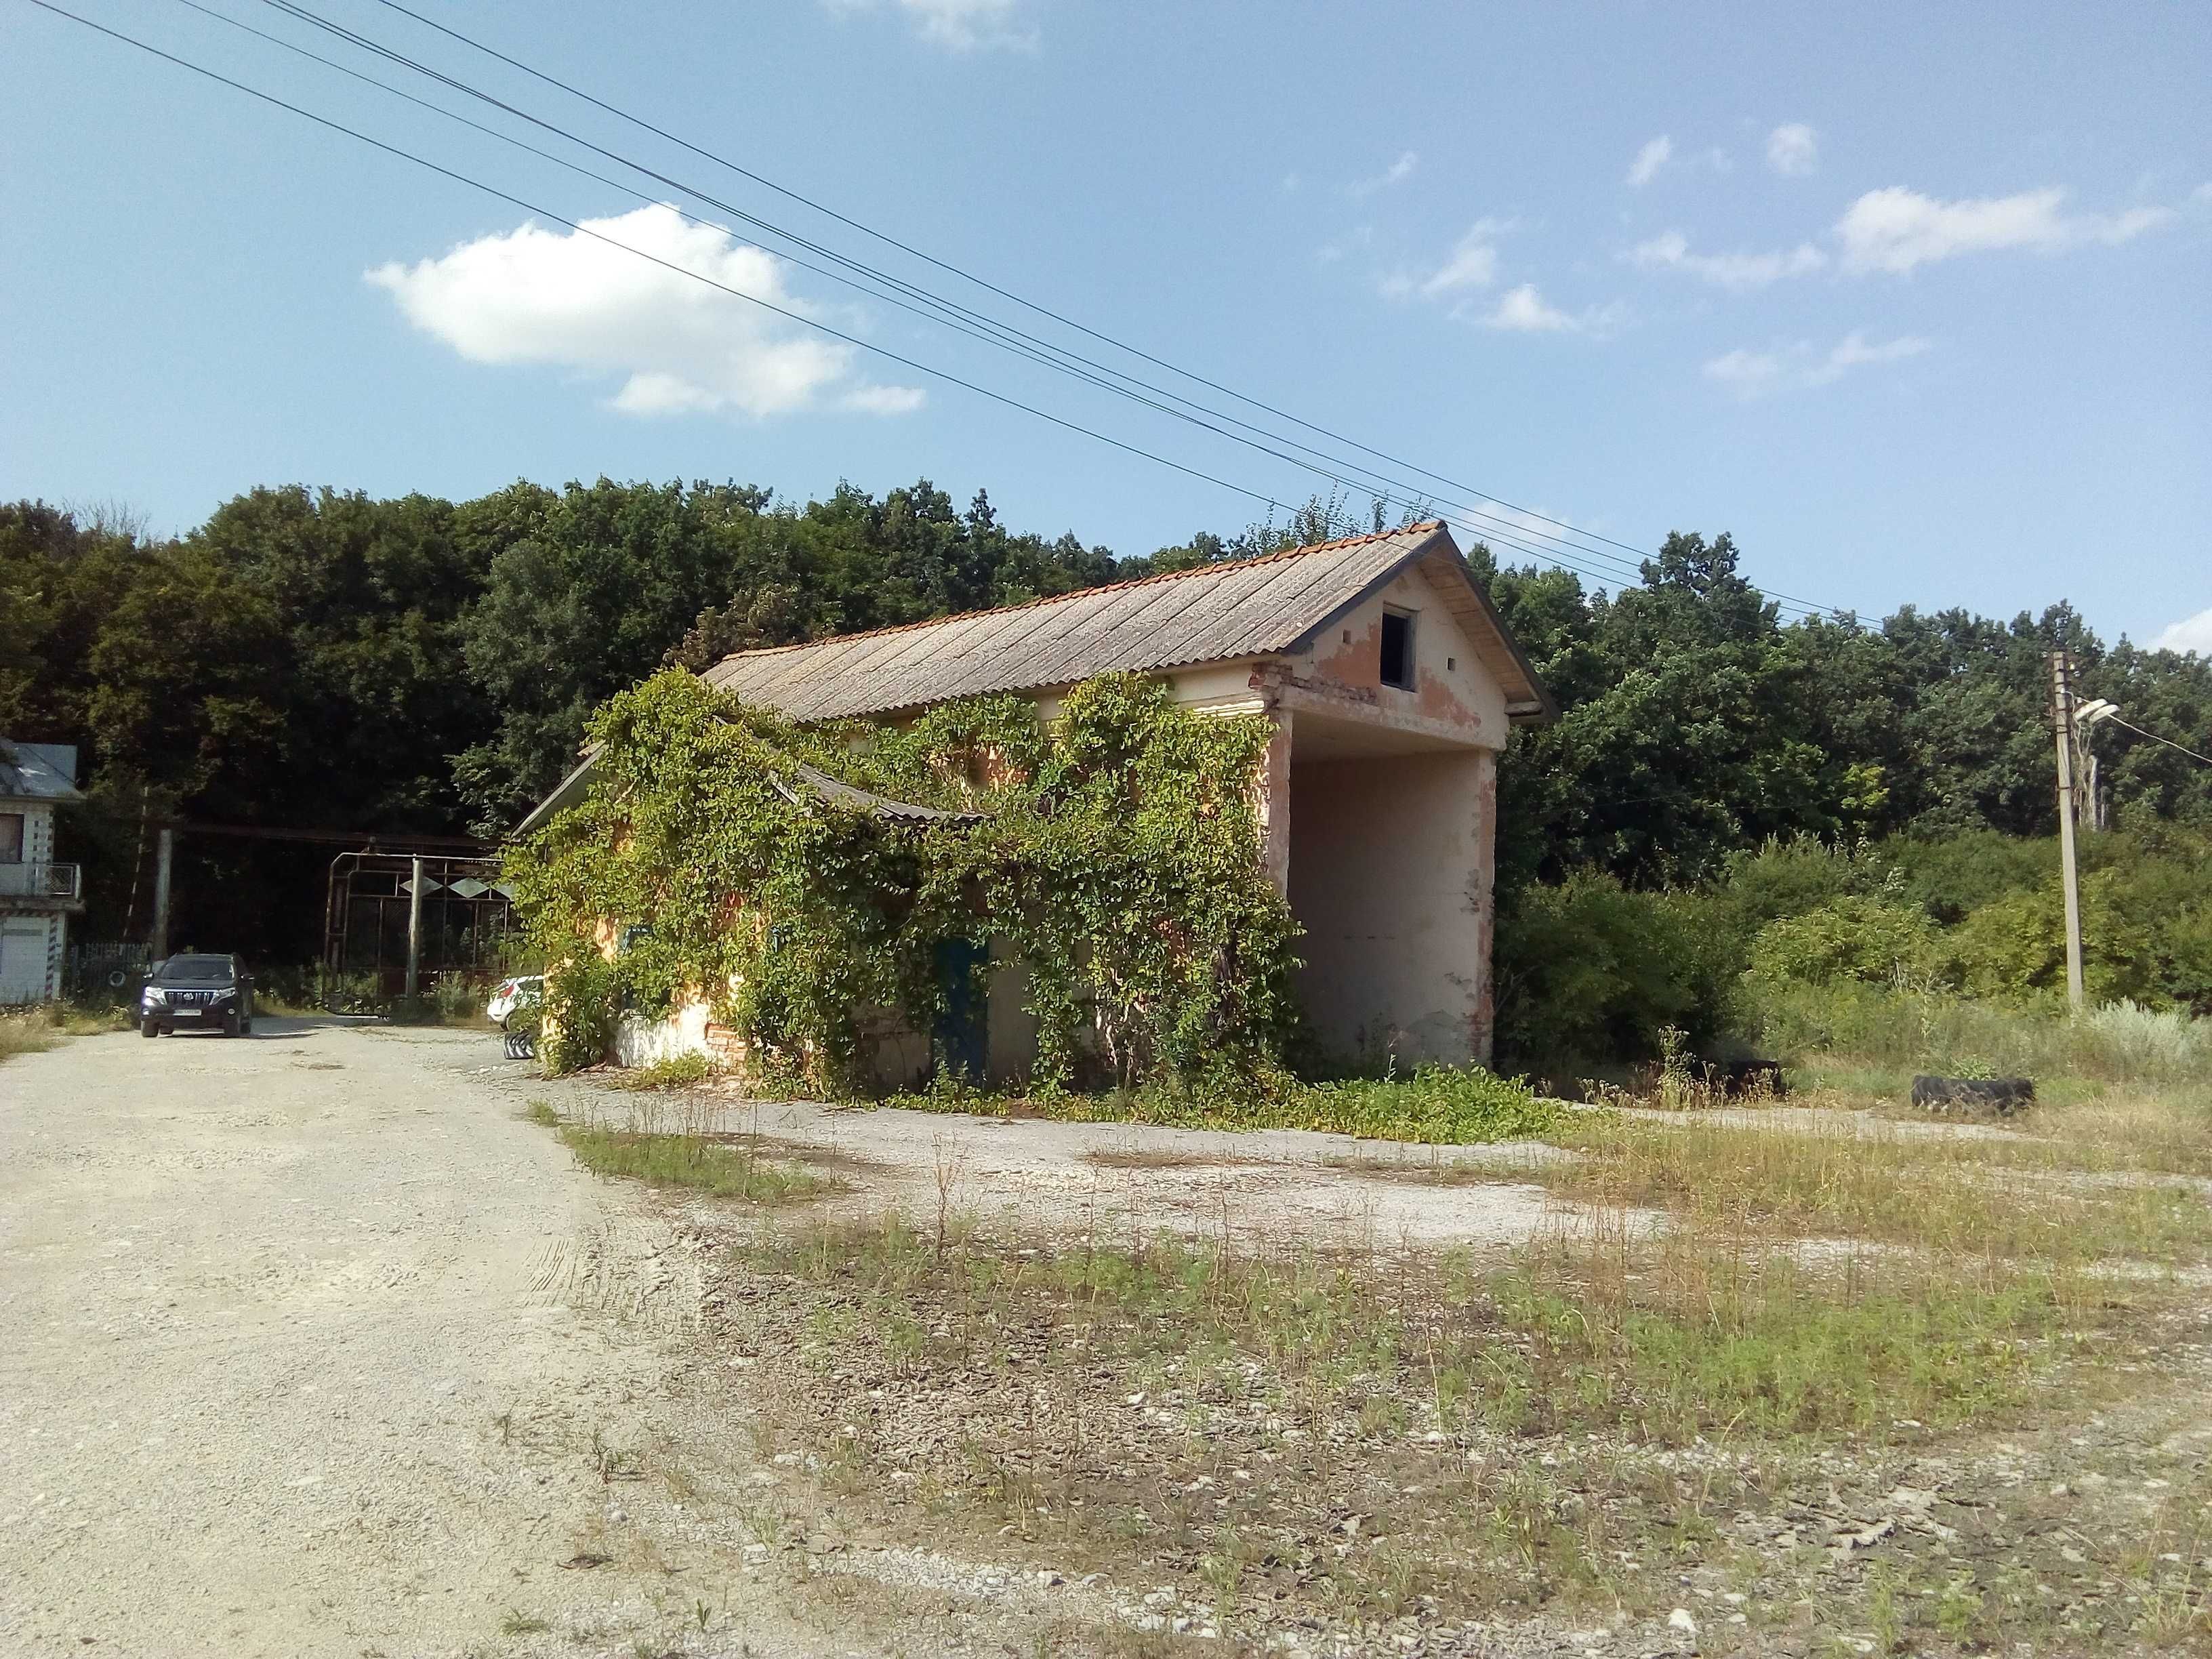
(11,837)
(1398,650)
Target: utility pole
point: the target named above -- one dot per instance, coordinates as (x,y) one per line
(165,849)
(2061,710)
(414,921)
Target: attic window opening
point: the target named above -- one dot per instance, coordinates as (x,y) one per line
(1398,650)
(11,837)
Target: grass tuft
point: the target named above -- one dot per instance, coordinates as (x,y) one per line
(25,1034)
(720,1167)
(677,1072)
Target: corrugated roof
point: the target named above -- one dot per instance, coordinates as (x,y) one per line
(895,812)
(572,788)
(1214,613)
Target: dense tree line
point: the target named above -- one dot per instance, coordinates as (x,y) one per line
(1696,723)
(325,658)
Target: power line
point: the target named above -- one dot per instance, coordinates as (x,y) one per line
(1514,534)
(558,219)
(2155,738)
(1015,344)
(1510,541)
(1006,293)
(1270,501)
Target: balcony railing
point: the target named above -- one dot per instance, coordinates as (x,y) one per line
(41,881)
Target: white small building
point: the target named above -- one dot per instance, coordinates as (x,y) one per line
(38,893)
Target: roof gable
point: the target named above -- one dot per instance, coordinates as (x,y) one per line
(1182,619)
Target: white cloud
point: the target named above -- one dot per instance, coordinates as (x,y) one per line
(959,25)
(1897,229)
(1648,160)
(884,400)
(1473,261)
(2190,633)
(1737,272)
(567,299)
(1792,150)
(1524,311)
(1396,174)
(1755,373)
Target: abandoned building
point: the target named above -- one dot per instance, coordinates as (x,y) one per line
(1391,683)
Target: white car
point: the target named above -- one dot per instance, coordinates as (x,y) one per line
(513,993)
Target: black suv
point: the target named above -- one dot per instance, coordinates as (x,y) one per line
(197,992)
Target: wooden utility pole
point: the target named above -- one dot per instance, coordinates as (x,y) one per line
(2062,714)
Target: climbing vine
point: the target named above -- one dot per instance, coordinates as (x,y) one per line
(1113,852)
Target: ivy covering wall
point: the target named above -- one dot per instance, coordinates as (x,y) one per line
(1118,858)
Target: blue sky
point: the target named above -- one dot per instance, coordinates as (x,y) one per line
(1912,300)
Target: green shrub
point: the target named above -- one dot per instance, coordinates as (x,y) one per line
(1790,877)
(1589,971)
(2146,934)
(1868,939)
(576,1024)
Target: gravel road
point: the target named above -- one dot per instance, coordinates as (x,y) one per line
(313,1347)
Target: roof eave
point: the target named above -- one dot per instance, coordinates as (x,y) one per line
(566,794)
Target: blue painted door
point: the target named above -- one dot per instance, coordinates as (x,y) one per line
(961,1040)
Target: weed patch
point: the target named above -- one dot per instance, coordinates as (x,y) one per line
(2013,1197)
(677,1072)
(25,1034)
(1436,1105)
(674,1160)
(720,1166)
(1371,1436)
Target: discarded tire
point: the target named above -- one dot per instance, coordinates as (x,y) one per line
(521,1045)
(2000,1095)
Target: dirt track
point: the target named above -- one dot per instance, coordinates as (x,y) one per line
(317,1347)
(309,1340)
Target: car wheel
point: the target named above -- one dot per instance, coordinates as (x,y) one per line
(245,1028)
(147,1028)
(230,1025)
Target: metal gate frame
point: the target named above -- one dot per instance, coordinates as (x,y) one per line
(465,913)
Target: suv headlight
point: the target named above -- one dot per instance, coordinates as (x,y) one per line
(155,996)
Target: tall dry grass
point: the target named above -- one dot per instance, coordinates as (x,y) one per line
(25,1034)
(2068,1195)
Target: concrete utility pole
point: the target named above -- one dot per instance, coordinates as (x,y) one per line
(415,921)
(165,849)
(2062,709)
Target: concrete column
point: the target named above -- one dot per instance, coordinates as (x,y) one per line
(1482,898)
(165,847)
(414,927)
